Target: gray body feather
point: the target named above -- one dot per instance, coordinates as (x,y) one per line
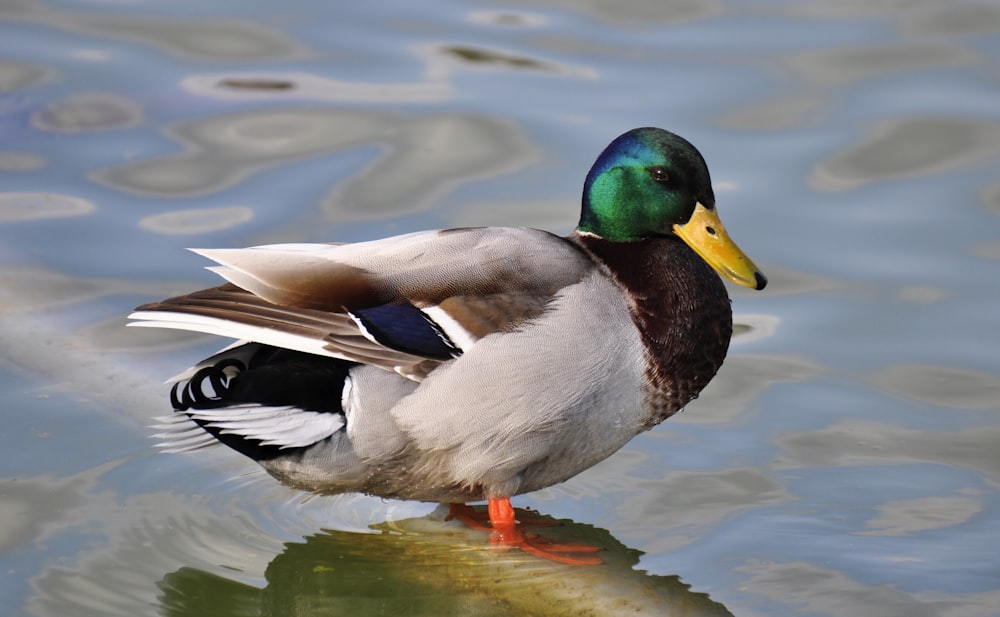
(552,378)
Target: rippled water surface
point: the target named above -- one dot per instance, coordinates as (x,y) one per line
(846,460)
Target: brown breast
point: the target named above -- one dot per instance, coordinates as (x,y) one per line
(681,309)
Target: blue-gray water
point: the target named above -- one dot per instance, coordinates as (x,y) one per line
(846,461)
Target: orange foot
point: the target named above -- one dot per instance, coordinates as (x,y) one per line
(505,531)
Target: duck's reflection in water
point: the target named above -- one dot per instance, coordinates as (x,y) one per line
(430,566)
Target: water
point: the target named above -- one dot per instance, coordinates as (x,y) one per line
(844,461)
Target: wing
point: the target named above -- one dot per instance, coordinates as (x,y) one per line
(406,303)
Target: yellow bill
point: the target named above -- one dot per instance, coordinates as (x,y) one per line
(705,234)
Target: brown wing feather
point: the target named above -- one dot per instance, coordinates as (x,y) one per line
(482,315)
(424,269)
(485,280)
(341,335)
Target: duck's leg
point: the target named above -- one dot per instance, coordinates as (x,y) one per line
(480,519)
(505,531)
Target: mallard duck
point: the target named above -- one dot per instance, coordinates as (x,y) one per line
(468,364)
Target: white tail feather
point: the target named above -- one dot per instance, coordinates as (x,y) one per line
(231,329)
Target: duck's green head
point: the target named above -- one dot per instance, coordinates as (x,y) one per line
(650,182)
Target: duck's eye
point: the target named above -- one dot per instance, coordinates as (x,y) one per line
(659,174)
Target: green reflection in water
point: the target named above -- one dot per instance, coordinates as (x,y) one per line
(424,566)
(486,56)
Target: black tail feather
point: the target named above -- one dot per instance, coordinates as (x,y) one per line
(272,377)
